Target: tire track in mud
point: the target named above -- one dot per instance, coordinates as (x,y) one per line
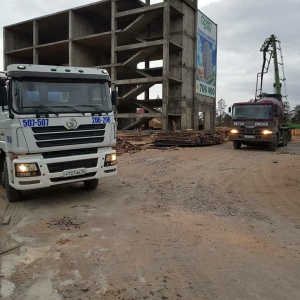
(215,176)
(194,284)
(11,214)
(168,268)
(10,209)
(41,206)
(216,163)
(199,286)
(147,250)
(49,252)
(221,181)
(232,180)
(261,182)
(256,174)
(3,204)
(271,186)
(28,228)
(239,167)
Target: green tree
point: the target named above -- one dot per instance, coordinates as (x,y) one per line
(296,115)
(227,120)
(223,120)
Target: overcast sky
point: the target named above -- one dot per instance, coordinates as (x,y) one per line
(243,26)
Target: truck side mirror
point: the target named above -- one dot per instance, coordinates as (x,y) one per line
(229,109)
(114,98)
(3,94)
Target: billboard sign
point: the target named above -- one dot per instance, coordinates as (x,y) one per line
(206,60)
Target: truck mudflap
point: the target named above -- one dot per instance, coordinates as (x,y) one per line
(62,170)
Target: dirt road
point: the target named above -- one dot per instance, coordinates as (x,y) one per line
(185,223)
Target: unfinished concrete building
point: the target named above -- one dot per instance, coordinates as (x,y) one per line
(125,37)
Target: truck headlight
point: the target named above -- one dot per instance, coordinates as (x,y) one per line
(27,170)
(110,160)
(234,131)
(266,131)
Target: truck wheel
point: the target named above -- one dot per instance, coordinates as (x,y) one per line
(285,139)
(91,184)
(281,144)
(12,194)
(237,144)
(2,179)
(274,144)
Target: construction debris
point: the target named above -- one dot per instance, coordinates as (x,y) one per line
(123,146)
(66,222)
(137,141)
(187,138)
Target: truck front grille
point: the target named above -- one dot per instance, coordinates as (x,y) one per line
(73,152)
(69,165)
(250,131)
(75,177)
(53,136)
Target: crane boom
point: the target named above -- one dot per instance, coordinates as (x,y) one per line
(269,49)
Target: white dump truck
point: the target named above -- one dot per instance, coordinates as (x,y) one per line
(56,126)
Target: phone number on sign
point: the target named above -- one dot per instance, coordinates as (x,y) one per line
(207,89)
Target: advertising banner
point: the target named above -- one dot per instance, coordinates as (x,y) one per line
(206,60)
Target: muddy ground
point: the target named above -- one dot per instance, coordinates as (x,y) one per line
(183,223)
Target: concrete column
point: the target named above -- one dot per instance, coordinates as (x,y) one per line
(113,74)
(71,36)
(5,47)
(208,117)
(213,115)
(114,43)
(35,42)
(166,66)
(147,65)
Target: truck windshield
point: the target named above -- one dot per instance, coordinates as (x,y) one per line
(54,95)
(252,111)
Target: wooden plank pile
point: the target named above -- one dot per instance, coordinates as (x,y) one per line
(123,146)
(187,138)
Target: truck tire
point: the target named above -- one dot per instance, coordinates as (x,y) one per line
(2,179)
(274,144)
(285,139)
(12,194)
(282,143)
(237,144)
(91,184)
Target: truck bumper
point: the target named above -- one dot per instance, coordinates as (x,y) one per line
(252,139)
(61,170)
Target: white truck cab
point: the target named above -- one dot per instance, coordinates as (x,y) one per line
(56,126)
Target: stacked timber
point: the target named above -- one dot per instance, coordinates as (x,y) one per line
(123,146)
(187,138)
